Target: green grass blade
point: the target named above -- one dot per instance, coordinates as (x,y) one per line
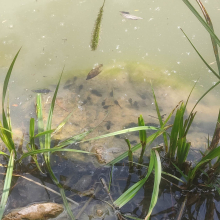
(157,179)
(31,133)
(62,192)
(168,174)
(4,118)
(66,204)
(34,157)
(143,138)
(142,133)
(132,191)
(34,152)
(209,22)
(62,123)
(2,153)
(180,171)
(175,132)
(211,155)
(49,120)
(150,139)
(7,183)
(8,115)
(213,71)
(40,120)
(123,132)
(32,143)
(202,21)
(160,120)
(6,81)
(44,133)
(75,139)
(204,95)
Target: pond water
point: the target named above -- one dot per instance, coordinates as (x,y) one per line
(54,34)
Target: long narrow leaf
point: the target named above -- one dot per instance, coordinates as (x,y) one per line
(123,132)
(40,119)
(138,146)
(209,22)
(75,139)
(204,95)
(132,191)
(202,21)
(157,179)
(49,120)
(34,152)
(160,120)
(62,192)
(7,183)
(213,71)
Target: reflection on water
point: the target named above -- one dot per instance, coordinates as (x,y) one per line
(138,42)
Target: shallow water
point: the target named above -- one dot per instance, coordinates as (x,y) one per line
(55,33)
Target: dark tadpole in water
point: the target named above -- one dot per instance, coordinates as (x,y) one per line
(143,96)
(136,105)
(45,91)
(70,83)
(106,106)
(108,125)
(94,72)
(80,87)
(116,102)
(103,103)
(130,101)
(111,93)
(96,92)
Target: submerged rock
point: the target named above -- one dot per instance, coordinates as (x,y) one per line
(41,211)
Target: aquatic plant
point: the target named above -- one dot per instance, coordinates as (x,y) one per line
(97,29)
(6,137)
(45,147)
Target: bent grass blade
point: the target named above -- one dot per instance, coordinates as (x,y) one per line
(150,139)
(123,132)
(206,26)
(213,71)
(209,22)
(52,150)
(132,191)
(157,179)
(7,183)
(7,137)
(160,120)
(49,121)
(40,119)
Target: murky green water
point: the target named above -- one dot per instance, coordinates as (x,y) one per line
(133,53)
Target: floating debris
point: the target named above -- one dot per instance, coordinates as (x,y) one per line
(94,72)
(96,31)
(45,91)
(129,16)
(41,211)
